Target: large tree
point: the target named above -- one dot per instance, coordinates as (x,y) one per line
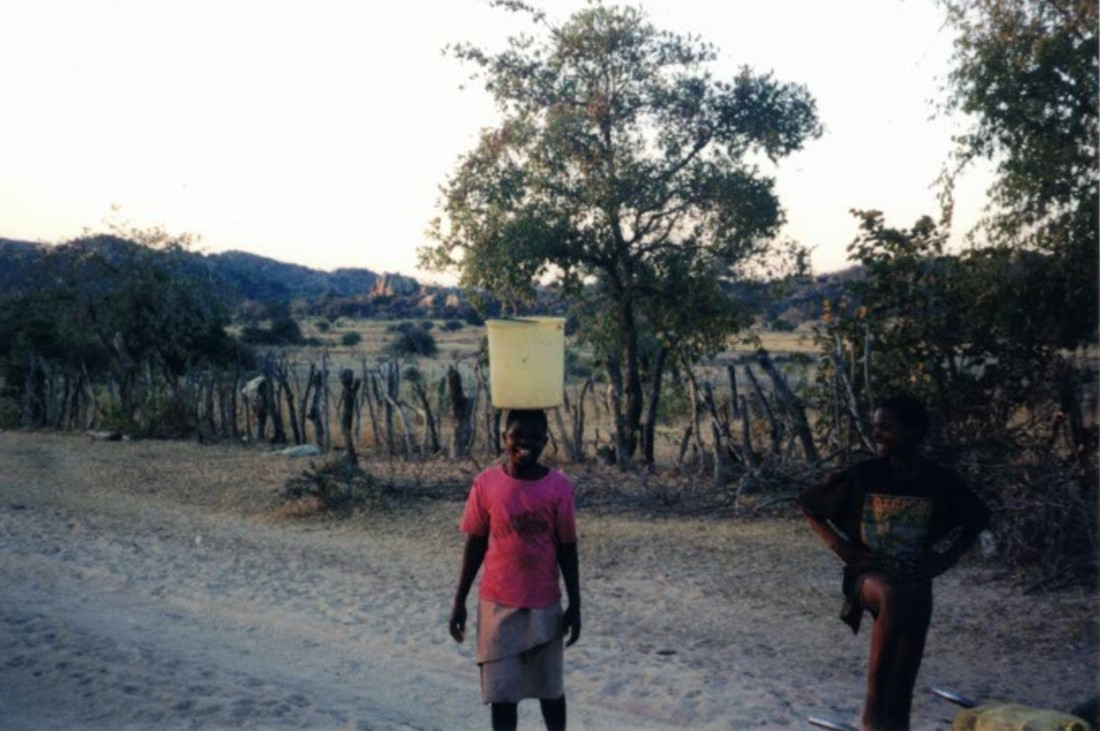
(1027,73)
(620,167)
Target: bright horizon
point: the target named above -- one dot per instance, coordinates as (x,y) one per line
(318,133)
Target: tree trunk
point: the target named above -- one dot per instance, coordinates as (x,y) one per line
(633,391)
(649,431)
(578,419)
(616,392)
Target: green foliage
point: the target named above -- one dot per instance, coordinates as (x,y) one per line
(351,339)
(413,341)
(619,171)
(977,335)
(1027,72)
(113,307)
(323,326)
(283,328)
(452,325)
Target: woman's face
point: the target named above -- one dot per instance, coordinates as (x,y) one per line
(524,441)
(891,437)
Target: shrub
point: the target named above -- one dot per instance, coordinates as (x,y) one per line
(452,325)
(351,339)
(323,326)
(413,341)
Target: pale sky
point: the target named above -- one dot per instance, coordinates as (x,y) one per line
(318,132)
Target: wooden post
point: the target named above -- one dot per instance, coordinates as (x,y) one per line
(389,394)
(793,405)
(735,401)
(853,402)
(766,408)
(460,405)
(746,436)
(317,384)
(369,388)
(327,444)
(348,396)
(718,432)
(288,394)
(431,438)
(693,393)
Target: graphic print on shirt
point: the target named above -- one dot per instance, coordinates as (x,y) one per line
(528,526)
(896,527)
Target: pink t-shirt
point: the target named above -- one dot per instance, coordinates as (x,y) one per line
(525,523)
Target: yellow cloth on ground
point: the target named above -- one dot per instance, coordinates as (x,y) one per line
(1012,717)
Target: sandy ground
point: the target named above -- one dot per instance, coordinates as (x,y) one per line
(145,586)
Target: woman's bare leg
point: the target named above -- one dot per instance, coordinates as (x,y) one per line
(902,614)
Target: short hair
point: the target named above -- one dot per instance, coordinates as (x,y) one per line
(909,410)
(529,416)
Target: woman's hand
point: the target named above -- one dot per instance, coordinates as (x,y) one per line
(855,555)
(571,624)
(457,623)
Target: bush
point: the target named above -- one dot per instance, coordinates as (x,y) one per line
(1044,506)
(351,339)
(283,331)
(323,326)
(452,325)
(413,341)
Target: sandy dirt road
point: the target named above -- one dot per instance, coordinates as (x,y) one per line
(141,587)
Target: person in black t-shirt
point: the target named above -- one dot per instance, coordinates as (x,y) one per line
(896,521)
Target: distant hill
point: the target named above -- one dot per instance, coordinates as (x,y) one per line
(261,279)
(242,278)
(239,276)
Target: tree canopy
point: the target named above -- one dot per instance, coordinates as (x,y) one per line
(1027,72)
(623,171)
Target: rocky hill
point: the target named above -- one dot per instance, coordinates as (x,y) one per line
(248,280)
(25,265)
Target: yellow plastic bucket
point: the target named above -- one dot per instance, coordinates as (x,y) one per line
(526,362)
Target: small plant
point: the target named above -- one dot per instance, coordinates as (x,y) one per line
(323,326)
(351,339)
(452,325)
(335,486)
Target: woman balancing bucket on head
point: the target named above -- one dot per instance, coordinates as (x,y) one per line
(886,519)
(519,524)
